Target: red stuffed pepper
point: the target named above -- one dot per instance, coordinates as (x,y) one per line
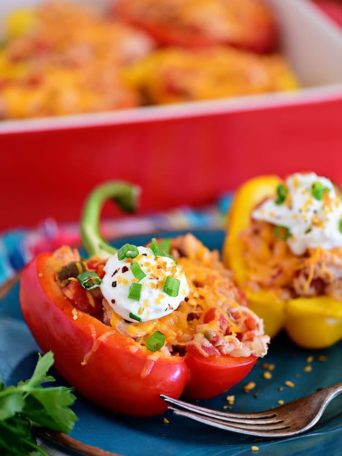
(246,24)
(127,326)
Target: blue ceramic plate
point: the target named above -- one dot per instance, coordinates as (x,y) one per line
(137,437)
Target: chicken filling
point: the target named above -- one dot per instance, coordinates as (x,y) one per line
(270,264)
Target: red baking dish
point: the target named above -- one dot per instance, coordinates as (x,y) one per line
(183,154)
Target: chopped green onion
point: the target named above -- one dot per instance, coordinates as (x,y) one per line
(128,251)
(340,226)
(318,190)
(171,286)
(89,280)
(281,194)
(134,317)
(155,342)
(134,291)
(162,248)
(155,247)
(282,233)
(165,246)
(137,271)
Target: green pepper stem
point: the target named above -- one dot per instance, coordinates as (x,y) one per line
(124,194)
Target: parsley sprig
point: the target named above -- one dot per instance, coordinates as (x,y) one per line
(28,405)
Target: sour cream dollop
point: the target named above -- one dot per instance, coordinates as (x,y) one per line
(311,210)
(154,302)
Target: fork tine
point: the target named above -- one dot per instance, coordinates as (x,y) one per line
(279,430)
(247,425)
(261,417)
(231,419)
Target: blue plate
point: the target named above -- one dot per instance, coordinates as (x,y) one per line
(137,437)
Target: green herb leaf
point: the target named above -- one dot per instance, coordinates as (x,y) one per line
(17,438)
(134,317)
(50,407)
(39,375)
(137,271)
(282,233)
(318,190)
(155,342)
(29,404)
(10,405)
(281,192)
(128,251)
(134,291)
(89,280)
(171,286)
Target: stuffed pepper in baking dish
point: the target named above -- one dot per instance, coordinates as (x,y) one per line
(179,75)
(247,24)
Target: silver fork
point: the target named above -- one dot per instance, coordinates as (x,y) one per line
(290,419)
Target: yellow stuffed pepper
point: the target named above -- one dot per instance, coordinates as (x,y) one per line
(284,245)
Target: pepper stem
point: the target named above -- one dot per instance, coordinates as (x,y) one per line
(124,194)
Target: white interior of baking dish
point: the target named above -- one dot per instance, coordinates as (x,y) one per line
(311,43)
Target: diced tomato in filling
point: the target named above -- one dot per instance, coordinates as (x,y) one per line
(250,323)
(84,300)
(96,265)
(208,349)
(209,315)
(223,322)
